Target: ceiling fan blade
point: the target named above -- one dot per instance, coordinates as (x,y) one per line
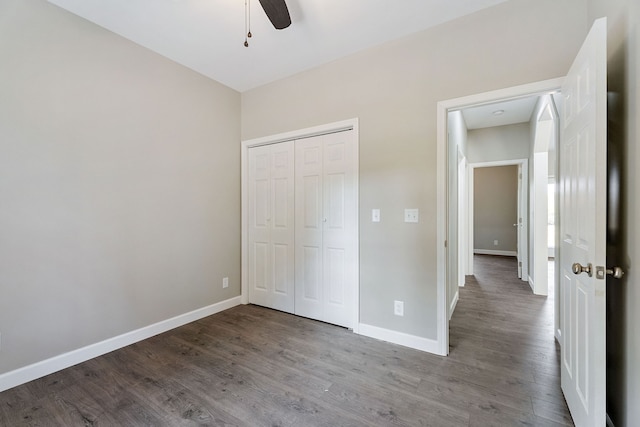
(277,12)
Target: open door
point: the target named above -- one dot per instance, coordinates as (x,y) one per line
(582,186)
(519,223)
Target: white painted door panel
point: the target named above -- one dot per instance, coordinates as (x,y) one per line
(271,253)
(309,225)
(518,224)
(582,189)
(339,207)
(325,227)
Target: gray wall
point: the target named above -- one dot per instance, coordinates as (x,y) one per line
(495,208)
(119,185)
(623,243)
(510,142)
(394,89)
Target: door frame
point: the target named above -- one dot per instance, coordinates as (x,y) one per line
(345,125)
(443,220)
(523,196)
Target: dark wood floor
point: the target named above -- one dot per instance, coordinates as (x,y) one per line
(250,366)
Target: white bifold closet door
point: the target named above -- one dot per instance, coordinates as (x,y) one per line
(325,226)
(271,226)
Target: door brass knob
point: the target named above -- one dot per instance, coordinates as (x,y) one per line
(577,268)
(616,272)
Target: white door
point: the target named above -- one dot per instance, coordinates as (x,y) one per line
(582,188)
(518,224)
(462,220)
(271,253)
(326,231)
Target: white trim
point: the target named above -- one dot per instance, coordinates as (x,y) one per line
(400,338)
(463,221)
(302,133)
(523,192)
(454,303)
(45,367)
(442,318)
(442,210)
(345,125)
(532,285)
(494,252)
(511,162)
(470,218)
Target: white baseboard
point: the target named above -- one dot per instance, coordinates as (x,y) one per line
(531,284)
(492,252)
(454,303)
(45,367)
(400,338)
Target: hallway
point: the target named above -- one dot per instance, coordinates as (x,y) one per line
(502,335)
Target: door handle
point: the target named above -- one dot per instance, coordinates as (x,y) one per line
(616,272)
(577,268)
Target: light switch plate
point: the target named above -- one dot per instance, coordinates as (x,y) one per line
(411,215)
(375,215)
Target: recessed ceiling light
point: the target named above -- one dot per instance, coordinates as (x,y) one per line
(498,112)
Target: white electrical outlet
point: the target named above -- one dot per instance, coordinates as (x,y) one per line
(411,215)
(398,308)
(225,282)
(495,243)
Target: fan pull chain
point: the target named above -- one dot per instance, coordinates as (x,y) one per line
(247,21)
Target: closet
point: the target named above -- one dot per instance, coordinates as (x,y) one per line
(302,227)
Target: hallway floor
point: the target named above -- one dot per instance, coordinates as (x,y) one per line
(503,334)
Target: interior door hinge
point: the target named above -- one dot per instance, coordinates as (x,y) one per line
(445,243)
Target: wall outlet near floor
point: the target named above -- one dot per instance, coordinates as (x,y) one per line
(398,308)
(495,243)
(225,282)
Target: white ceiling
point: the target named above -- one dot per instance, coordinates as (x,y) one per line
(208,35)
(513,111)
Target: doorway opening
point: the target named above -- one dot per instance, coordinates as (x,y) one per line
(455,255)
(498,193)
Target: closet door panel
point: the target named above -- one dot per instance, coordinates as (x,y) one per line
(271,230)
(339,208)
(260,267)
(335,260)
(282,226)
(311,271)
(309,225)
(259,242)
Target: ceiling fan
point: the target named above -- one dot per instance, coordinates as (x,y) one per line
(276,11)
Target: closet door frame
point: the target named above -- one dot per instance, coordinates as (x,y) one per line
(346,125)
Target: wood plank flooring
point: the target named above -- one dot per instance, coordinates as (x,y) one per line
(251,366)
